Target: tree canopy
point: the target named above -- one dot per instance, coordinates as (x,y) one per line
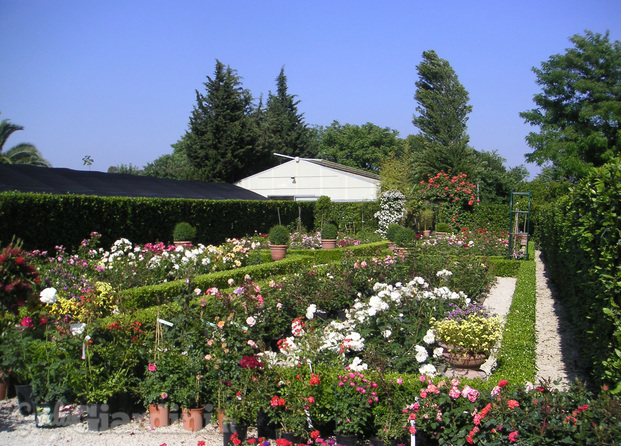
(578,111)
(442,116)
(221,140)
(361,146)
(23,153)
(283,128)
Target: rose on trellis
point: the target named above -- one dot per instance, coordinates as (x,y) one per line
(453,195)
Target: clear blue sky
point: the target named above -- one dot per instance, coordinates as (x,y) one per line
(116,80)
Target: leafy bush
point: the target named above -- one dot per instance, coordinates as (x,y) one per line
(443,227)
(405,237)
(580,238)
(329,231)
(279,235)
(184,231)
(392,231)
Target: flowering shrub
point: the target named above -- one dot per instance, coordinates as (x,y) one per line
(126,265)
(392,209)
(17,278)
(468,330)
(295,398)
(354,399)
(452,195)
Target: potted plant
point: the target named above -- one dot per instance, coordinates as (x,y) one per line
(442,230)
(54,362)
(354,399)
(105,372)
(391,232)
(279,240)
(404,238)
(329,233)
(426,220)
(468,334)
(242,399)
(184,233)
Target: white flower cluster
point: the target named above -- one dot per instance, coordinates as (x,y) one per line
(392,209)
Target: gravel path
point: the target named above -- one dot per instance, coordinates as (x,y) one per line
(556,353)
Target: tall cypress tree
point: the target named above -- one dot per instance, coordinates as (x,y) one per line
(442,115)
(222,135)
(284,129)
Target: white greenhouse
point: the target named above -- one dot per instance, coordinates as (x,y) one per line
(304,179)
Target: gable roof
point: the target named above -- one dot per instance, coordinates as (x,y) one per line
(343,168)
(61,181)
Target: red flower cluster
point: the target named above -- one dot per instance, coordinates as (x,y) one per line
(250,362)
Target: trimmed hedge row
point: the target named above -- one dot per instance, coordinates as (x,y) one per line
(580,237)
(43,221)
(517,356)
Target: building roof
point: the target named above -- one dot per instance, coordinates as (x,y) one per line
(61,181)
(343,168)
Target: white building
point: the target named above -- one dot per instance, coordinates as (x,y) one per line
(304,179)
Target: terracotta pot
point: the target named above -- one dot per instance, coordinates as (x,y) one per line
(464,361)
(4,387)
(426,233)
(182,243)
(220,420)
(159,415)
(329,243)
(278,251)
(193,419)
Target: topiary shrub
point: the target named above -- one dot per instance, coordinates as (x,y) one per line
(279,235)
(405,237)
(392,231)
(184,232)
(329,231)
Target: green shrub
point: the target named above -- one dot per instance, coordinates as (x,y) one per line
(392,231)
(329,232)
(443,227)
(517,357)
(279,235)
(405,237)
(580,237)
(184,231)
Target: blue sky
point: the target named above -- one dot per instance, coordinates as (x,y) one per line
(116,80)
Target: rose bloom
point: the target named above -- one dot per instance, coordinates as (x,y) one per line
(502,383)
(513,404)
(251,321)
(454,393)
(513,436)
(152,367)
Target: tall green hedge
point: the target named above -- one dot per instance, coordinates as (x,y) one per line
(580,237)
(43,221)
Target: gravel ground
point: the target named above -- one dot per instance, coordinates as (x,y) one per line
(557,351)
(556,360)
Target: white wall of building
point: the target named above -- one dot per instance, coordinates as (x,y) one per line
(304,180)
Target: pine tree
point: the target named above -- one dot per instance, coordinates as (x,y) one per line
(284,130)
(222,135)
